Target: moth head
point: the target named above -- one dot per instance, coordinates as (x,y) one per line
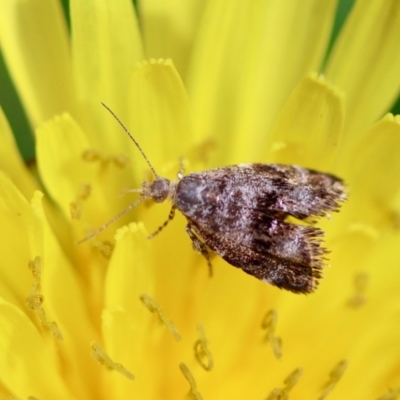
(159,190)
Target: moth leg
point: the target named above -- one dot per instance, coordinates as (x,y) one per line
(199,246)
(170,218)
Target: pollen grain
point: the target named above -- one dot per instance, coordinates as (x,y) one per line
(269,325)
(153,306)
(201,350)
(360,285)
(334,377)
(193,392)
(103,358)
(36,299)
(289,383)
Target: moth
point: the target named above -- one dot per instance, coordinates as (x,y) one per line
(242,213)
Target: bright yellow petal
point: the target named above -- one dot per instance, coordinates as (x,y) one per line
(159,116)
(15,215)
(58,277)
(103,60)
(127,276)
(125,319)
(60,146)
(63,159)
(139,306)
(169,28)
(27,366)
(374,177)
(365,62)
(34,41)
(309,128)
(11,162)
(367,332)
(224,295)
(247,60)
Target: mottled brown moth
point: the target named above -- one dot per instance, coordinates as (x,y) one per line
(241,213)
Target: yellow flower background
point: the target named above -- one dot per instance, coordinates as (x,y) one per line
(218,83)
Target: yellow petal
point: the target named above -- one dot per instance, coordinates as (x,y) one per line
(10,160)
(60,148)
(243,314)
(351,250)
(125,320)
(129,273)
(84,190)
(58,277)
(309,128)
(373,171)
(35,44)
(159,113)
(365,62)
(169,28)
(15,215)
(106,44)
(247,60)
(372,324)
(60,145)
(27,367)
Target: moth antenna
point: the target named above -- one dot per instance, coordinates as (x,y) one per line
(132,138)
(125,191)
(112,220)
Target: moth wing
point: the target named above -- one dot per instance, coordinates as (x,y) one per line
(286,255)
(306,192)
(289,189)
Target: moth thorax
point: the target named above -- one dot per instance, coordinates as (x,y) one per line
(160,190)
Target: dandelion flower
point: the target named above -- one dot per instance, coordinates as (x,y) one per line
(216,83)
